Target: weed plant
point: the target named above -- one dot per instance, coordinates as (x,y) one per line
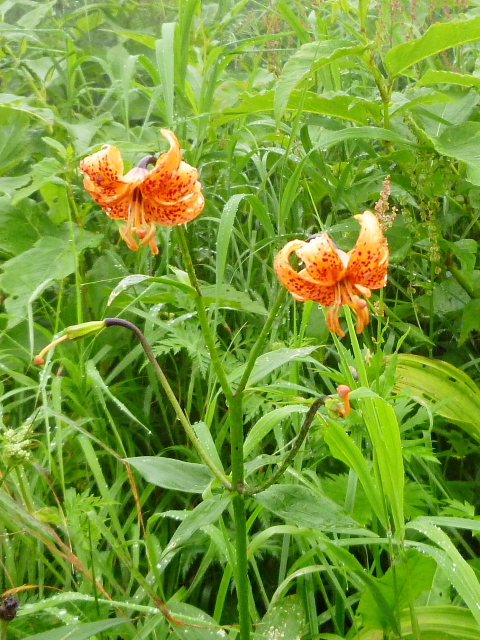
(112,522)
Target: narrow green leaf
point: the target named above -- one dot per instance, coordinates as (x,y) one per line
(344,448)
(207,512)
(80,631)
(138,278)
(203,433)
(224,236)
(432,76)
(441,622)
(449,560)
(97,380)
(384,434)
(191,615)
(173,474)
(266,423)
(450,391)
(268,362)
(294,22)
(307,60)
(165,51)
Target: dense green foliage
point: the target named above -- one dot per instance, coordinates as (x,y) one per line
(294,113)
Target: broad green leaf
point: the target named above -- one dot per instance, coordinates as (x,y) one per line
(443,622)
(31,19)
(80,631)
(56,197)
(432,76)
(330,138)
(285,619)
(90,21)
(12,137)
(51,258)
(438,37)
(207,512)
(266,423)
(450,391)
(44,171)
(268,362)
(307,60)
(29,217)
(400,586)
(9,185)
(470,319)
(462,142)
(305,507)
(345,107)
(173,474)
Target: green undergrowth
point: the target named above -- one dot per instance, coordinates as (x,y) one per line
(112,523)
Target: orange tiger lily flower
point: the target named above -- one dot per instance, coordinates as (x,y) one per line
(333,277)
(170,194)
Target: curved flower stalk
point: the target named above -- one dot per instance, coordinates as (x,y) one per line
(170,194)
(333,277)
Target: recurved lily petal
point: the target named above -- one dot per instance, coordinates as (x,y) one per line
(301,284)
(175,212)
(104,170)
(170,194)
(166,168)
(335,278)
(324,262)
(368,263)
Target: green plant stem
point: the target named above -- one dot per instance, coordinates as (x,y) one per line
(241,573)
(239,514)
(258,346)
(202,316)
(120,322)
(383,88)
(293,451)
(235,405)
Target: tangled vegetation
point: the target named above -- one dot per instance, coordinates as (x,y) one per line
(203,455)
